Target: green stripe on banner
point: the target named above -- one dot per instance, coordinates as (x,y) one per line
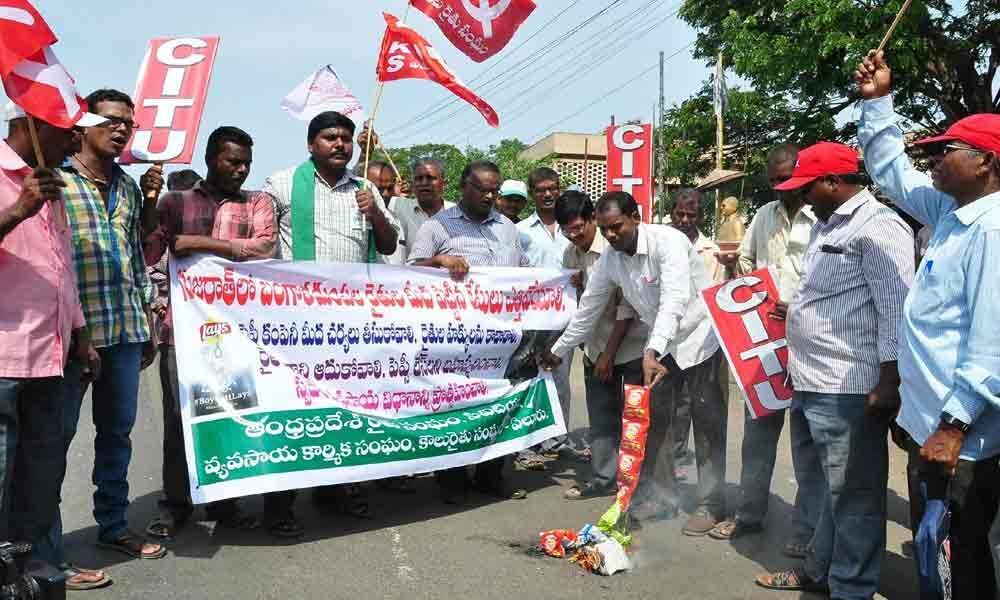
(325,438)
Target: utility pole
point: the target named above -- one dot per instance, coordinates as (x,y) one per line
(719,138)
(658,152)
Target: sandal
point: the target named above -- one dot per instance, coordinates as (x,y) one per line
(130,544)
(795,550)
(286,527)
(589,490)
(732,529)
(792,580)
(164,525)
(79,579)
(529,462)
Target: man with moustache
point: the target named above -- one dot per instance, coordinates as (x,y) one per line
(512,200)
(41,326)
(429,183)
(843,327)
(108,215)
(471,234)
(660,275)
(612,354)
(327,214)
(949,365)
(215,217)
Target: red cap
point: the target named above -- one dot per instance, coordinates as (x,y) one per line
(981,131)
(820,160)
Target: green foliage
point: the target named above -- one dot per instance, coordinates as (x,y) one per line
(505,155)
(944,58)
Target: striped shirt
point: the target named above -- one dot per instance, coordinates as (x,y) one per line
(844,319)
(341,232)
(246,221)
(411,217)
(107,249)
(774,240)
(493,242)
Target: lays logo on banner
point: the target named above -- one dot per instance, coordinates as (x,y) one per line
(213,331)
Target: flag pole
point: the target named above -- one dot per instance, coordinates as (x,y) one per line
(389,157)
(719,140)
(33,133)
(895,22)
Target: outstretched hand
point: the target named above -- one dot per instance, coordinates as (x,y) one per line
(873,75)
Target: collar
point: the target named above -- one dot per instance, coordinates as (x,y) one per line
(345,179)
(804,210)
(971,212)
(847,208)
(10,160)
(460,214)
(642,244)
(533,220)
(116,171)
(599,244)
(202,188)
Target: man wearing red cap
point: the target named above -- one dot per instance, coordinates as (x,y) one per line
(949,362)
(842,336)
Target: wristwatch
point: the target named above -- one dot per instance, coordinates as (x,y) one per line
(954,422)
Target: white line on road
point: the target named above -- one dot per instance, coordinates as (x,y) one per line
(403,570)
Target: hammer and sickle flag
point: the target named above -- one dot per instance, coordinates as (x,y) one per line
(479,28)
(407,55)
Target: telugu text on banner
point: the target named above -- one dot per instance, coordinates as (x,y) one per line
(294,375)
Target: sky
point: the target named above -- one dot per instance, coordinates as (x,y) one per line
(560,72)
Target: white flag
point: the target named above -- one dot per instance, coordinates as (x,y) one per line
(323,91)
(720,95)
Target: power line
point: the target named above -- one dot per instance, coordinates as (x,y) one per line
(610,92)
(525,96)
(548,47)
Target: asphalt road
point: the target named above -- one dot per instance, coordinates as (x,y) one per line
(418,547)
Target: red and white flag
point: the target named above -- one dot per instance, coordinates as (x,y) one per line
(406,55)
(479,28)
(33,77)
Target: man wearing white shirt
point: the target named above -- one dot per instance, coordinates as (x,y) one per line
(428,186)
(660,275)
(777,237)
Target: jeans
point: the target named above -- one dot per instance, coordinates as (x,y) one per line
(849,543)
(115,401)
(32,459)
(759,453)
(709,416)
(604,409)
(973,493)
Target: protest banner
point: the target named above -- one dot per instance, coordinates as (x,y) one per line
(630,164)
(754,343)
(480,28)
(300,374)
(169,99)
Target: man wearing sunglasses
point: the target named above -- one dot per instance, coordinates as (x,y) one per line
(948,363)
(106,211)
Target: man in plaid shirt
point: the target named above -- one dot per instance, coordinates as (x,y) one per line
(105,213)
(214,217)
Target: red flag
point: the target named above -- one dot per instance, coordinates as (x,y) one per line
(406,55)
(32,75)
(479,28)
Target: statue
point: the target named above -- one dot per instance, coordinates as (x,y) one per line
(731,227)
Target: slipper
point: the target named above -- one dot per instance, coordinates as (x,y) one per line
(286,527)
(530,463)
(732,529)
(79,579)
(164,525)
(130,544)
(589,490)
(792,580)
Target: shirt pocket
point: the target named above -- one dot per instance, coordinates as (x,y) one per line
(236,225)
(937,293)
(833,273)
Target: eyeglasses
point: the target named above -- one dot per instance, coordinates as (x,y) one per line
(484,191)
(115,122)
(949,148)
(573,231)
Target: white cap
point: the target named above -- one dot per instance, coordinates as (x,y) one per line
(12,111)
(513,187)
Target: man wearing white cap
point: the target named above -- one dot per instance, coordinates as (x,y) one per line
(41,325)
(512,200)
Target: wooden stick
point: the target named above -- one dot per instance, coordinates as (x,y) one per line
(391,164)
(33,133)
(895,22)
(368,142)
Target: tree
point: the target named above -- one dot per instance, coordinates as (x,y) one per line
(755,122)
(945,60)
(505,155)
